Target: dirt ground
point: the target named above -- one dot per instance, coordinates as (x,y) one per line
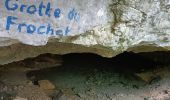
(87,77)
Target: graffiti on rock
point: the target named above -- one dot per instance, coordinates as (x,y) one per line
(40,10)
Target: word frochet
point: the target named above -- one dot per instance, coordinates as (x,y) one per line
(41,10)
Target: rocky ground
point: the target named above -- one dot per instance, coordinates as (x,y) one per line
(85,77)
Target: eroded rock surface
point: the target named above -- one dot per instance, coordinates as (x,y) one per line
(105,27)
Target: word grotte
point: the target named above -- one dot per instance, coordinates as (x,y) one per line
(41,10)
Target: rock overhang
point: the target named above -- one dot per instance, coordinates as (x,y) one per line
(106,28)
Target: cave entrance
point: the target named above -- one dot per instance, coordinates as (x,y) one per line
(86,76)
(127,63)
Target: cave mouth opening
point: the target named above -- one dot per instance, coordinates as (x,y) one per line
(126,64)
(89,74)
(127,61)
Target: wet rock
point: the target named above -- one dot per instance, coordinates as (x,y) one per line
(42,61)
(46,85)
(147,76)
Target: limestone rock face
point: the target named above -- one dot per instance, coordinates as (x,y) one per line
(106,27)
